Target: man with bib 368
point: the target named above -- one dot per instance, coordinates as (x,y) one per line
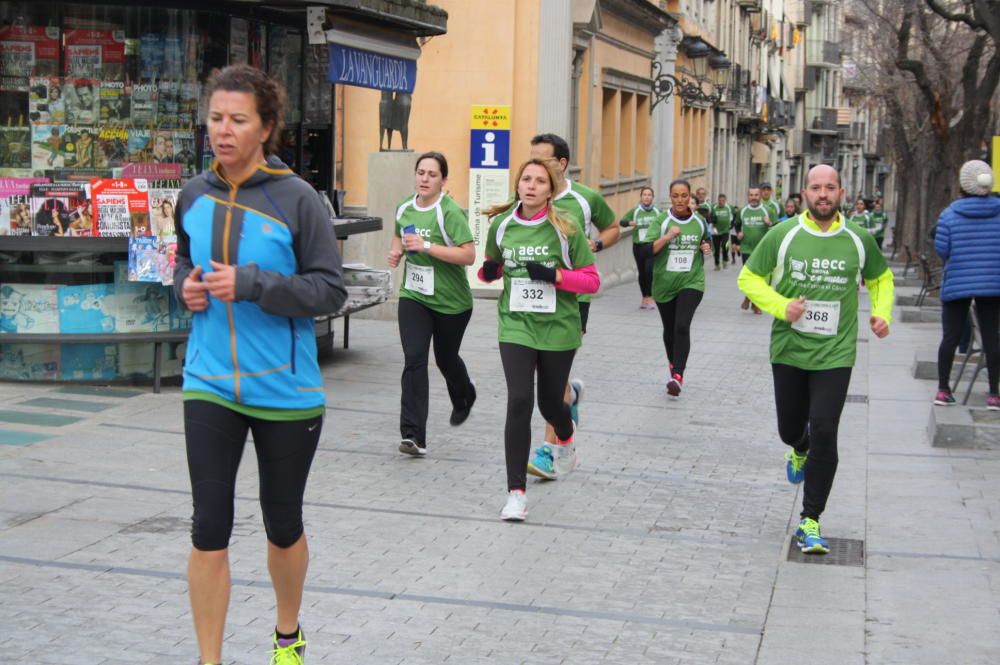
(813,262)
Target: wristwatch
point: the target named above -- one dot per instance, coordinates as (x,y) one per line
(427,245)
(598,245)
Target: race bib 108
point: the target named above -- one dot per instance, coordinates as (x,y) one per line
(680,260)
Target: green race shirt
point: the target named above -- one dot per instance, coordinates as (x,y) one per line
(862,219)
(773,209)
(801,260)
(514,241)
(722,219)
(704,209)
(754,227)
(587,208)
(439,285)
(642,219)
(680,264)
(879,221)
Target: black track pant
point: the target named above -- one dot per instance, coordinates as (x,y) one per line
(418,326)
(520,363)
(809,404)
(719,248)
(676,316)
(954,314)
(644,266)
(215,437)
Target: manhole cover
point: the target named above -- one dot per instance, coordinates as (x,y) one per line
(843,552)
(858,399)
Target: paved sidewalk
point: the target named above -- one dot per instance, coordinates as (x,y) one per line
(668,545)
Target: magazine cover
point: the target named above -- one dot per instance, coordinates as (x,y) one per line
(184,151)
(15,205)
(144,104)
(29,308)
(112,147)
(141,307)
(168,103)
(31,50)
(180,318)
(121,207)
(162,203)
(47,150)
(114,104)
(87,308)
(173,57)
(95,53)
(140,146)
(88,362)
(45,101)
(187,104)
(29,362)
(143,259)
(80,144)
(15,147)
(82,101)
(163,146)
(58,208)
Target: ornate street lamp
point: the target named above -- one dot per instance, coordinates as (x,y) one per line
(691,92)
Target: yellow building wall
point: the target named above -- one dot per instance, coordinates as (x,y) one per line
(474,63)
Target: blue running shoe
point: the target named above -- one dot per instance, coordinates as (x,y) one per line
(542,464)
(810,542)
(795,468)
(574,407)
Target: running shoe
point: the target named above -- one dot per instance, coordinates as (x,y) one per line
(745,304)
(674,384)
(516,508)
(795,468)
(574,406)
(944,398)
(288,652)
(993,402)
(542,463)
(810,542)
(459,416)
(411,447)
(717,267)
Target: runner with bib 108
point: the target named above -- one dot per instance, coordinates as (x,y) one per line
(544,260)
(435,300)
(679,240)
(813,262)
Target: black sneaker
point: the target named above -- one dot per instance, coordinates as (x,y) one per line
(459,416)
(411,447)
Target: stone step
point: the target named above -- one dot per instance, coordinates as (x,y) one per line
(965,427)
(919,315)
(910,300)
(925,367)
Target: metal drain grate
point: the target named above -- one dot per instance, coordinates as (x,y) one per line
(843,552)
(857,399)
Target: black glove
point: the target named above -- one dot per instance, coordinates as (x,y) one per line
(541,273)
(625,223)
(491,269)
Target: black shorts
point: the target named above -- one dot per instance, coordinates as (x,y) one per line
(584,314)
(735,239)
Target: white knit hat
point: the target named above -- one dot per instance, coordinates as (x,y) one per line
(976,178)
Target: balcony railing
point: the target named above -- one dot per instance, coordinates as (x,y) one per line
(750,5)
(821,52)
(821,119)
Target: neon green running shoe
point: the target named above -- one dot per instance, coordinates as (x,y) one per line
(288,652)
(810,542)
(795,469)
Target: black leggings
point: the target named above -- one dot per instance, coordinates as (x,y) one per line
(809,404)
(676,316)
(215,439)
(953,318)
(519,366)
(719,248)
(644,266)
(418,325)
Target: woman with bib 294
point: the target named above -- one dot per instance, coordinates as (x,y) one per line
(435,301)
(544,260)
(679,240)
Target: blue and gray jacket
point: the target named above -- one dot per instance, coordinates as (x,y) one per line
(968,240)
(261,349)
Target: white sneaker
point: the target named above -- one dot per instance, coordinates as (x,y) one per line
(517,507)
(563,458)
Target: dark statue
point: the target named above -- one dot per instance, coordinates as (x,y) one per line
(393,115)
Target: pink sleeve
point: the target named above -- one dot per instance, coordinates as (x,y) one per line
(581,280)
(487,281)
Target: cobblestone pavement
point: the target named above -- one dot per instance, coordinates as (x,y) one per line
(668,545)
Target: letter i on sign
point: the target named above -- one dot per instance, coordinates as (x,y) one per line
(490,150)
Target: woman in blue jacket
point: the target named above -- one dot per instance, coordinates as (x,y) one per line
(256,261)
(968,241)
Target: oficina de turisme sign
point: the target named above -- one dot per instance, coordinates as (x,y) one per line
(366,69)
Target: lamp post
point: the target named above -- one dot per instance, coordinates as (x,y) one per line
(691,92)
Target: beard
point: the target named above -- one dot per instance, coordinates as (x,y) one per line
(823,217)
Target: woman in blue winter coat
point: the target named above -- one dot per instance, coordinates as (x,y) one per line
(968,241)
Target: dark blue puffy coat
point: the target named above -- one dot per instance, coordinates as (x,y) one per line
(968,241)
